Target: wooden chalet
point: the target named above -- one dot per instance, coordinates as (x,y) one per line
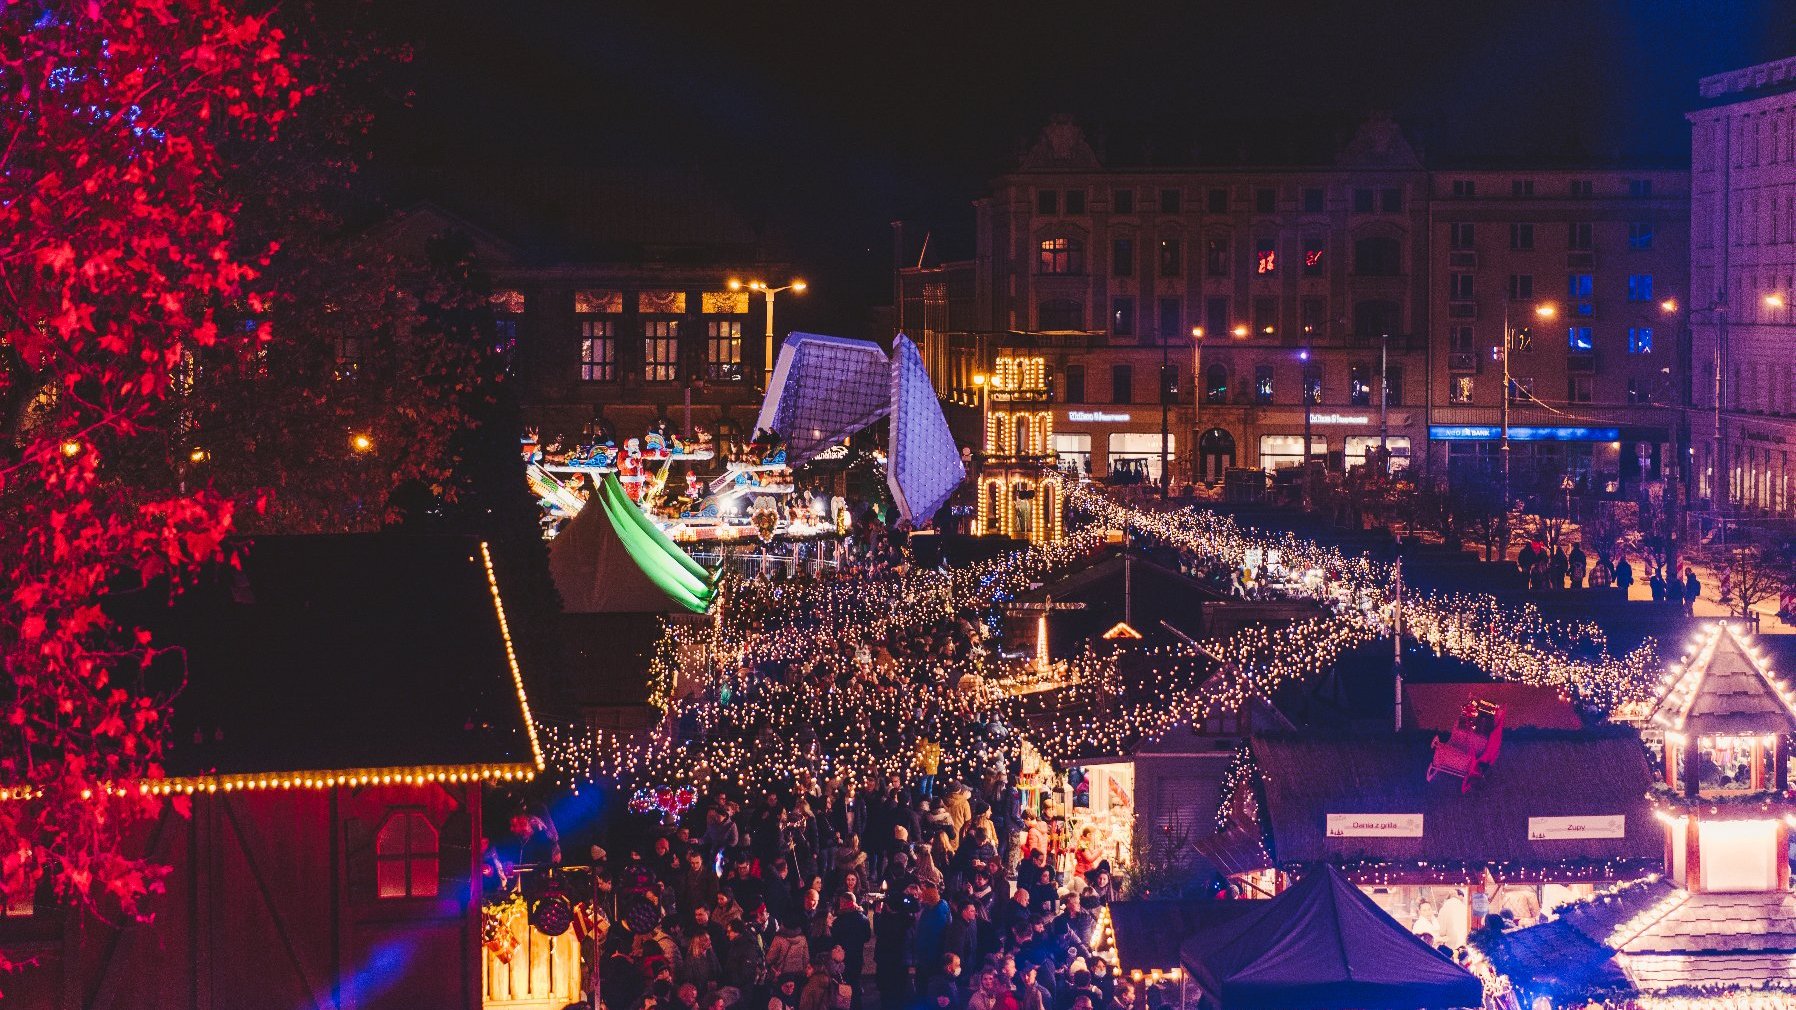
(341,705)
(1558,814)
(1722,921)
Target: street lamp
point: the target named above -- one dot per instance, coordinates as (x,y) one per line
(1309,491)
(797,286)
(1197,403)
(1547,311)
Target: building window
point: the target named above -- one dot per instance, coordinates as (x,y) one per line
(1579,288)
(1075,201)
(723,350)
(1578,388)
(1216,256)
(1170,201)
(1583,188)
(1172,257)
(1073,384)
(1393,385)
(1378,257)
(1460,389)
(1122,317)
(1315,256)
(1521,236)
(1265,316)
(1280,451)
(1265,256)
(1312,383)
(1521,187)
(1577,237)
(1521,287)
(405,856)
(1314,200)
(1521,388)
(1460,287)
(1460,338)
(1579,340)
(1262,383)
(1122,384)
(1364,201)
(598,350)
(1062,314)
(1265,201)
(1464,189)
(1359,389)
(660,350)
(1170,316)
(1218,201)
(1640,340)
(1390,201)
(1047,201)
(1640,234)
(1122,201)
(1061,255)
(1122,257)
(1313,316)
(1216,384)
(1640,287)
(1640,187)
(1216,316)
(1462,235)
(1376,318)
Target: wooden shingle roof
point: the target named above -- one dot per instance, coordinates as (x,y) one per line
(1724,688)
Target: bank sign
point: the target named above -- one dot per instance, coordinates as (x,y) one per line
(1543,829)
(1494,432)
(1374,825)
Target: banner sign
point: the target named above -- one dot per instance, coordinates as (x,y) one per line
(1541,829)
(1374,825)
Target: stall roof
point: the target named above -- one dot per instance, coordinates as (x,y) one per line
(1436,707)
(1323,945)
(336,653)
(1724,689)
(609,559)
(1148,933)
(1307,777)
(1653,936)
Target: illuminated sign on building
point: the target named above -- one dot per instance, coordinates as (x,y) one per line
(1374,825)
(1097,416)
(1340,419)
(1494,432)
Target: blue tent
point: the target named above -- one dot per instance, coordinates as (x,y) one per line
(1323,945)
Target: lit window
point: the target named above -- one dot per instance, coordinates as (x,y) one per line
(405,856)
(1315,252)
(660,351)
(1461,389)
(598,350)
(1640,340)
(1265,257)
(1640,287)
(1262,383)
(723,349)
(1061,255)
(1640,235)
(1578,338)
(1359,389)
(1580,289)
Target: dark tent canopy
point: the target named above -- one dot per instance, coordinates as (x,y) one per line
(1323,945)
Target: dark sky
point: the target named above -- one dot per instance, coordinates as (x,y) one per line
(824,122)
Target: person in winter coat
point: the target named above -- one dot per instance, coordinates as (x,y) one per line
(790,951)
(932,922)
(962,935)
(744,960)
(700,967)
(851,931)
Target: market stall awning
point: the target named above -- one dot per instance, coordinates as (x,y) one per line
(612,559)
(1323,945)
(1148,933)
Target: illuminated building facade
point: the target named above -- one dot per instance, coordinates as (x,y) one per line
(1743,266)
(1019,489)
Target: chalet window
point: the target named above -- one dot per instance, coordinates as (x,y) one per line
(405,856)
(660,351)
(598,350)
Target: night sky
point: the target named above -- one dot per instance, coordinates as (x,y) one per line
(821,123)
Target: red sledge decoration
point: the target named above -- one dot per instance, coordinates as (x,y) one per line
(1473,745)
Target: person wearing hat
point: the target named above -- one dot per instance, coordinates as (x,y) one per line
(850,931)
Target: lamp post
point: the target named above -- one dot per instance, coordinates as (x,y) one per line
(1542,312)
(1198,467)
(1165,412)
(1309,491)
(797,286)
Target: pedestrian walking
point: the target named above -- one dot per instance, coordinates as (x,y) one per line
(1624,576)
(1578,564)
(1657,582)
(1692,589)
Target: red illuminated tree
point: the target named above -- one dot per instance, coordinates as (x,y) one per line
(120,267)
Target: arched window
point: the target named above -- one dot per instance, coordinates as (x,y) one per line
(1062,314)
(405,856)
(1373,319)
(1378,256)
(1216,384)
(1025,441)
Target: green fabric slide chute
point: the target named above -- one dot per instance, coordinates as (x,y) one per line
(661,539)
(656,555)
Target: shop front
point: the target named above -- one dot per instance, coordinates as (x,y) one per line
(1341,438)
(1121,445)
(1607,459)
